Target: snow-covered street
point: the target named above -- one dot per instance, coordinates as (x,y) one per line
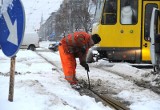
(39,87)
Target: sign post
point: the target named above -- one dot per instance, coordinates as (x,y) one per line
(12,25)
(12,74)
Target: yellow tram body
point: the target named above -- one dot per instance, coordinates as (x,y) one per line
(124,39)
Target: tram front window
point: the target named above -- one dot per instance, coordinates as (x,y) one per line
(129,11)
(110,12)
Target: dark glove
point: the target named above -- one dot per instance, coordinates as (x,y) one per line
(85,65)
(83,50)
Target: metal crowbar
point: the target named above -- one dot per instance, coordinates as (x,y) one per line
(88,80)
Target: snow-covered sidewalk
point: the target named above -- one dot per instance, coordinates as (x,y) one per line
(37,87)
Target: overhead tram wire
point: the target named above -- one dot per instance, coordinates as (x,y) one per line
(32,10)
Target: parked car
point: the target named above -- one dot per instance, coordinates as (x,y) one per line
(53,46)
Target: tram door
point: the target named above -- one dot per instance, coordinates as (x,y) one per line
(129,25)
(147,11)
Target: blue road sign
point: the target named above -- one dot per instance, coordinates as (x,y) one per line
(12,25)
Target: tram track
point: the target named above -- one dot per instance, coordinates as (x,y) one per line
(106,100)
(139,82)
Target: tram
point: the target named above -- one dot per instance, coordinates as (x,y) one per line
(124,28)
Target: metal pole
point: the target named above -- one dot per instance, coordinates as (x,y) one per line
(88,80)
(12,74)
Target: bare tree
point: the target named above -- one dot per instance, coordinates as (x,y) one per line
(73,15)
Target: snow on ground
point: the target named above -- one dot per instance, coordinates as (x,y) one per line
(38,87)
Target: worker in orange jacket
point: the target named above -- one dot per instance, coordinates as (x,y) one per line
(74,46)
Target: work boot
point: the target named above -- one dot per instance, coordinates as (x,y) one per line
(76,86)
(75,79)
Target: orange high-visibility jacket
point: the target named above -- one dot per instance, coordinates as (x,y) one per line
(70,48)
(75,42)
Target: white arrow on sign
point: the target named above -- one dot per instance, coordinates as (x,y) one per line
(13,37)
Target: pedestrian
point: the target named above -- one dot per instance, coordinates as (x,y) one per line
(72,46)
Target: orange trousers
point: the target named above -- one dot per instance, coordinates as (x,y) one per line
(68,62)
